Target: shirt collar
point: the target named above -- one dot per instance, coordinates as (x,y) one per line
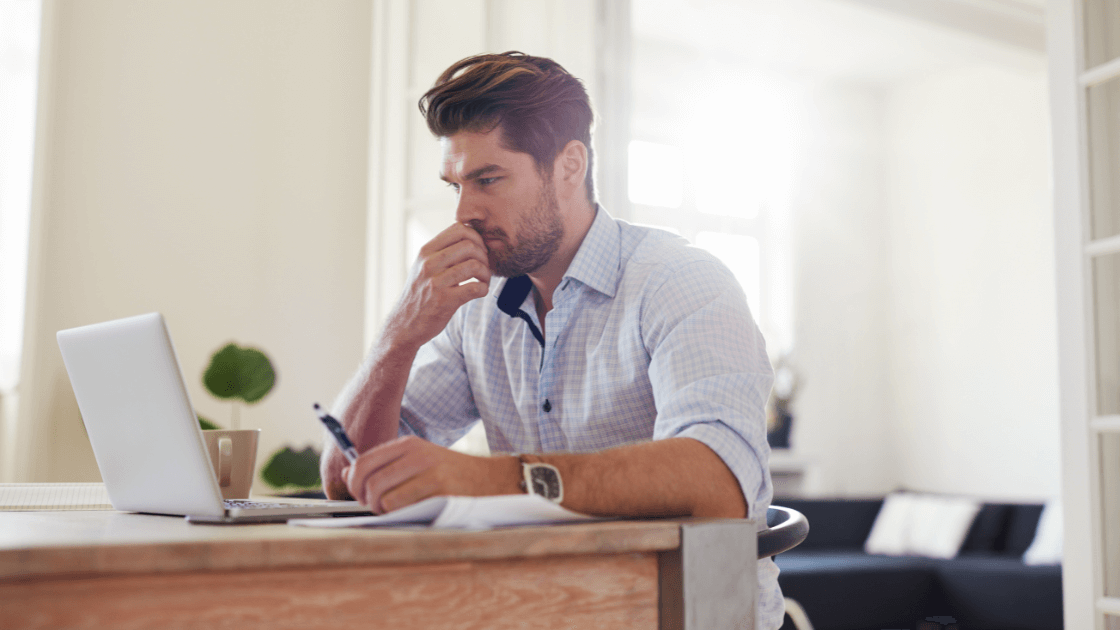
(595,265)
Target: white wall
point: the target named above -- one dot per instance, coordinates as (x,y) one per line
(926,332)
(972,314)
(843,409)
(206,160)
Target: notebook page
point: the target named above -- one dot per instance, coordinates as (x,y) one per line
(462,513)
(34,497)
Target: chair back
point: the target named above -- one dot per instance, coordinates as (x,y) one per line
(785,529)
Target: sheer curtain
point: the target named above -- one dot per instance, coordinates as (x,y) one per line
(19,72)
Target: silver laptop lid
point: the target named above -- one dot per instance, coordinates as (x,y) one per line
(139,417)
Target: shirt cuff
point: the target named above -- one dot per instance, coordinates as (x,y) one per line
(743,461)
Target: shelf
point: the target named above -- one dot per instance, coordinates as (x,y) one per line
(1106,424)
(1101,73)
(1109,605)
(1104,246)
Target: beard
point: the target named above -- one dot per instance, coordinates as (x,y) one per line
(538,237)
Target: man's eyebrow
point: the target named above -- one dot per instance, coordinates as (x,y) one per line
(476,173)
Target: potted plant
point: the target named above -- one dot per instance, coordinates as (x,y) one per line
(238,374)
(246,376)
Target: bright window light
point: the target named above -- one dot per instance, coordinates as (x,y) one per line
(740,253)
(19,76)
(740,168)
(656,175)
(658,226)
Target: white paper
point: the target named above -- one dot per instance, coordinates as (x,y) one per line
(461,513)
(53,496)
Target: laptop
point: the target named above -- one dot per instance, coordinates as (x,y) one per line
(144,432)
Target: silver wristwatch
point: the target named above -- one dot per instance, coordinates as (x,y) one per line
(542,479)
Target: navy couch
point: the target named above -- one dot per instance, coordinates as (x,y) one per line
(986,587)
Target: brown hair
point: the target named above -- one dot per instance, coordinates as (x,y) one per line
(538,105)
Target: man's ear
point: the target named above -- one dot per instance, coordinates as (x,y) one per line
(569,169)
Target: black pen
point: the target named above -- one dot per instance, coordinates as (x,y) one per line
(335,427)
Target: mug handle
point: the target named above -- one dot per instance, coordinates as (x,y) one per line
(225,461)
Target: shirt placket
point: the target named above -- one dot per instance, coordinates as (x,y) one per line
(551,406)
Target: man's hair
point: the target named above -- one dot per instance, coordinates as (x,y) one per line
(539,107)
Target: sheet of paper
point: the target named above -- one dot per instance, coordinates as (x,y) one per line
(461,513)
(423,512)
(503,511)
(34,497)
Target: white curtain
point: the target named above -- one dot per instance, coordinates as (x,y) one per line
(19,70)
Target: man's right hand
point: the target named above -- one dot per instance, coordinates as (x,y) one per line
(434,290)
(331,464)
(370,409)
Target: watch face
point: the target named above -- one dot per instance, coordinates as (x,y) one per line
(546,481)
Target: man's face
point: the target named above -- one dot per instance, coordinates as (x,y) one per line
(505,199)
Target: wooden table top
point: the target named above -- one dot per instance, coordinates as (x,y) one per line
(66,543)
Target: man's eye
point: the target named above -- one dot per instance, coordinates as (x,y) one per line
(454,187)
(486,181)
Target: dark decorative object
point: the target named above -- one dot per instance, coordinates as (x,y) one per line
(779,415)
(778,434)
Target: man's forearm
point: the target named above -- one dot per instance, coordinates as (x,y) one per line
(672,477)
(369,407)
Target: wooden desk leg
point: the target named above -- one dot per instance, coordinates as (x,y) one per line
(711,582)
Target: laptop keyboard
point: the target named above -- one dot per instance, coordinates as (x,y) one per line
(257,505)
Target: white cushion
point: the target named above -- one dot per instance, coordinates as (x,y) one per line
(1046,548)
(890,534)
(921,525)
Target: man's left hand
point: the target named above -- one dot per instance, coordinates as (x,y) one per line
(410,469)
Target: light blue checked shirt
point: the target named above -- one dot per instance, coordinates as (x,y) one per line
(648,338)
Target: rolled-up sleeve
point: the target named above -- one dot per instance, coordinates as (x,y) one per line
(710,373)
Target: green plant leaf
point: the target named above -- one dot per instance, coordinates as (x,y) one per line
(206,425)
(287,467)
(235,372)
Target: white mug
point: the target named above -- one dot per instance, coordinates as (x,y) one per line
(233,454)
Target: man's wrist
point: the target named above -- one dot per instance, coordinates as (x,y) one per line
(509,467)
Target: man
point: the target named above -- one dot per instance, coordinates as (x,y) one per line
(619,356)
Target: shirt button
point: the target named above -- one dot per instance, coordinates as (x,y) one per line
(547,406)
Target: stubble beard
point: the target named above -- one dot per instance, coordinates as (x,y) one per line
(538,238)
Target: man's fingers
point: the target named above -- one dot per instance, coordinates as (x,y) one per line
(452,234)
(389,477)
(368,464)
(464,271)
(456,254)
(414,490)
(333,471)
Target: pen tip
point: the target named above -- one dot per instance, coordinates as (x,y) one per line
(316,406)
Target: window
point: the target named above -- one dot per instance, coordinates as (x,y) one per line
(19,65)
(721,179)
(656,175)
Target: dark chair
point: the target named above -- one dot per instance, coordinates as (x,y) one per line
(785,529)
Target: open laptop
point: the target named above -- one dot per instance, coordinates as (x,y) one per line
(144,432)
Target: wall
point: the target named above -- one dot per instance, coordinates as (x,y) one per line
(843,410)
(926,331)
(206,160)
(973,313)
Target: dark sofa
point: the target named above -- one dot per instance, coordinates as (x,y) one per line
(986,587)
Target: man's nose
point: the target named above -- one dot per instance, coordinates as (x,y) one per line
(468,208)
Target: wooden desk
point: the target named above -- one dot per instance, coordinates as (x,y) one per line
(120,571)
